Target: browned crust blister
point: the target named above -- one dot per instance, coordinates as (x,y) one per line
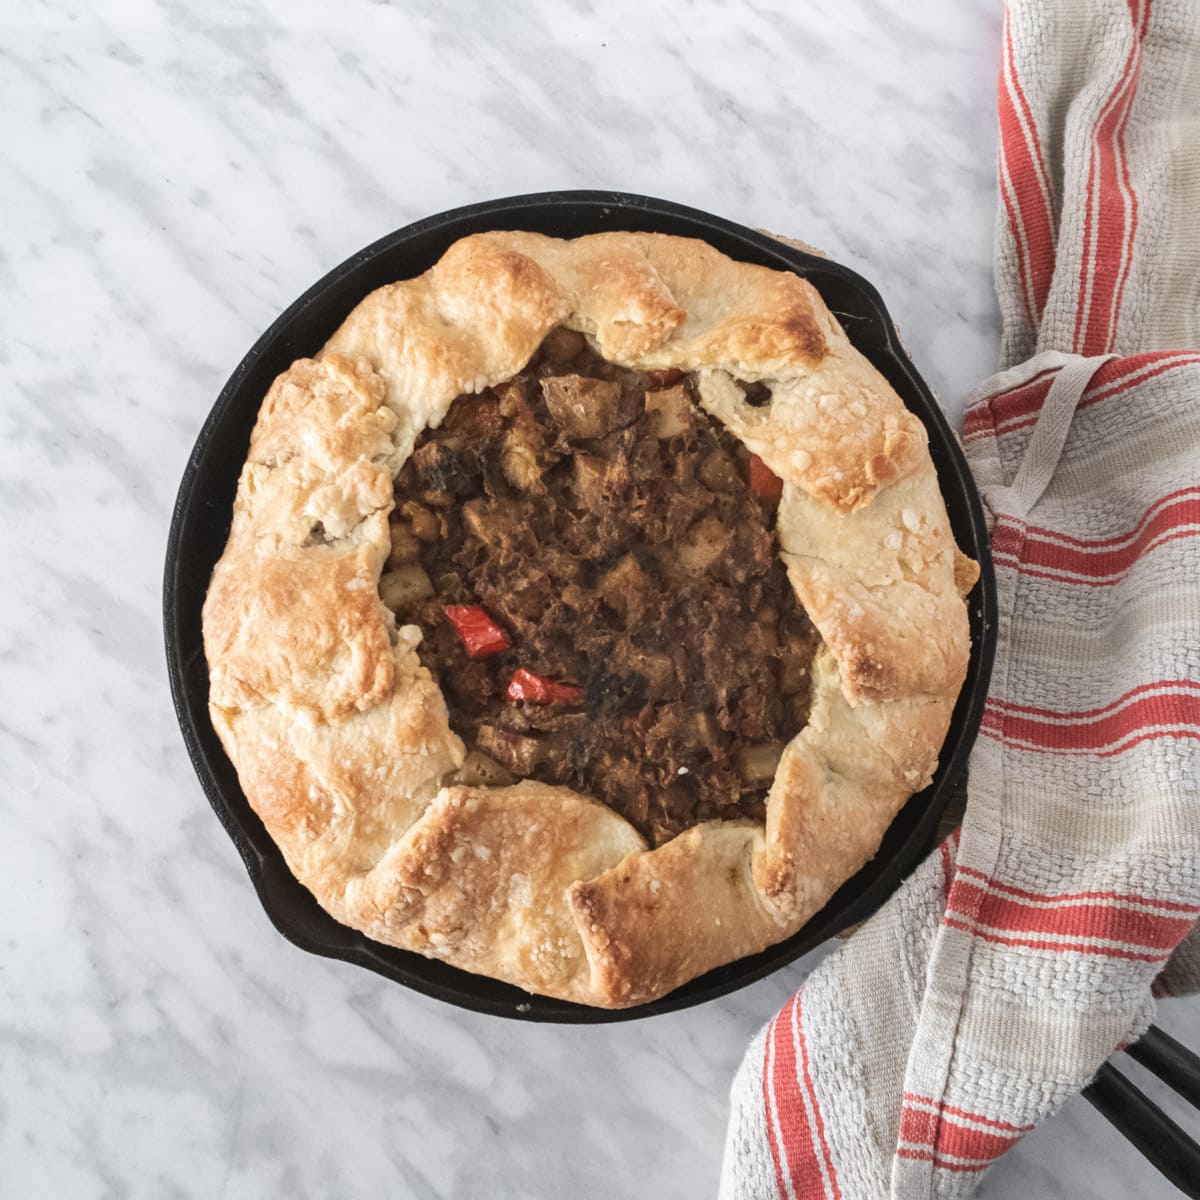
(341,737)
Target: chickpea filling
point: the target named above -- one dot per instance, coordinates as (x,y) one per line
(593,563)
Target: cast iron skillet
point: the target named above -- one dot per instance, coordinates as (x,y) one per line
(200,525)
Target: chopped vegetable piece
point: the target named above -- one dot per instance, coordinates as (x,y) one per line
(404,586)
(480,635)
(405,547)
(492,522)
(764,483)
(478,417)
(793,666)
(525,685)
(519,462)
(424,524)
(515,751)
(670,411)
(478,770)
(582,407)
(627,589)
(702,545)
(599,483)
(757,764)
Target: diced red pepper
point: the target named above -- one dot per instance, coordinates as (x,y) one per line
(764,483)
(537,689)
(480,635)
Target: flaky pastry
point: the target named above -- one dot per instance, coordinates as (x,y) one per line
(342,737)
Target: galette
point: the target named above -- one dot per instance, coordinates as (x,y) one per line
(590,609)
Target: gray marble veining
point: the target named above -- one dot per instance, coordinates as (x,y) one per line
(171,176)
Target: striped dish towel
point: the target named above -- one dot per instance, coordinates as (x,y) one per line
(1031,945)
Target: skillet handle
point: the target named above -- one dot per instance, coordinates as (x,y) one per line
(1171,1061)
(1163,1143)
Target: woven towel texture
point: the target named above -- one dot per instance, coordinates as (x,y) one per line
(1033,943)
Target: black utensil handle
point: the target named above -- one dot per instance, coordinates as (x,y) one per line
(1162,1142)
(1171,1061)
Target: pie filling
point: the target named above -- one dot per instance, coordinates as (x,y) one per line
(592,561)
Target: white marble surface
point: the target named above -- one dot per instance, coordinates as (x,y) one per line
(171,176)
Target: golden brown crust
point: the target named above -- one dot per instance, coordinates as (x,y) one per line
(842,780)
(656,919)
(341,737)
(484,873)
(882,585)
